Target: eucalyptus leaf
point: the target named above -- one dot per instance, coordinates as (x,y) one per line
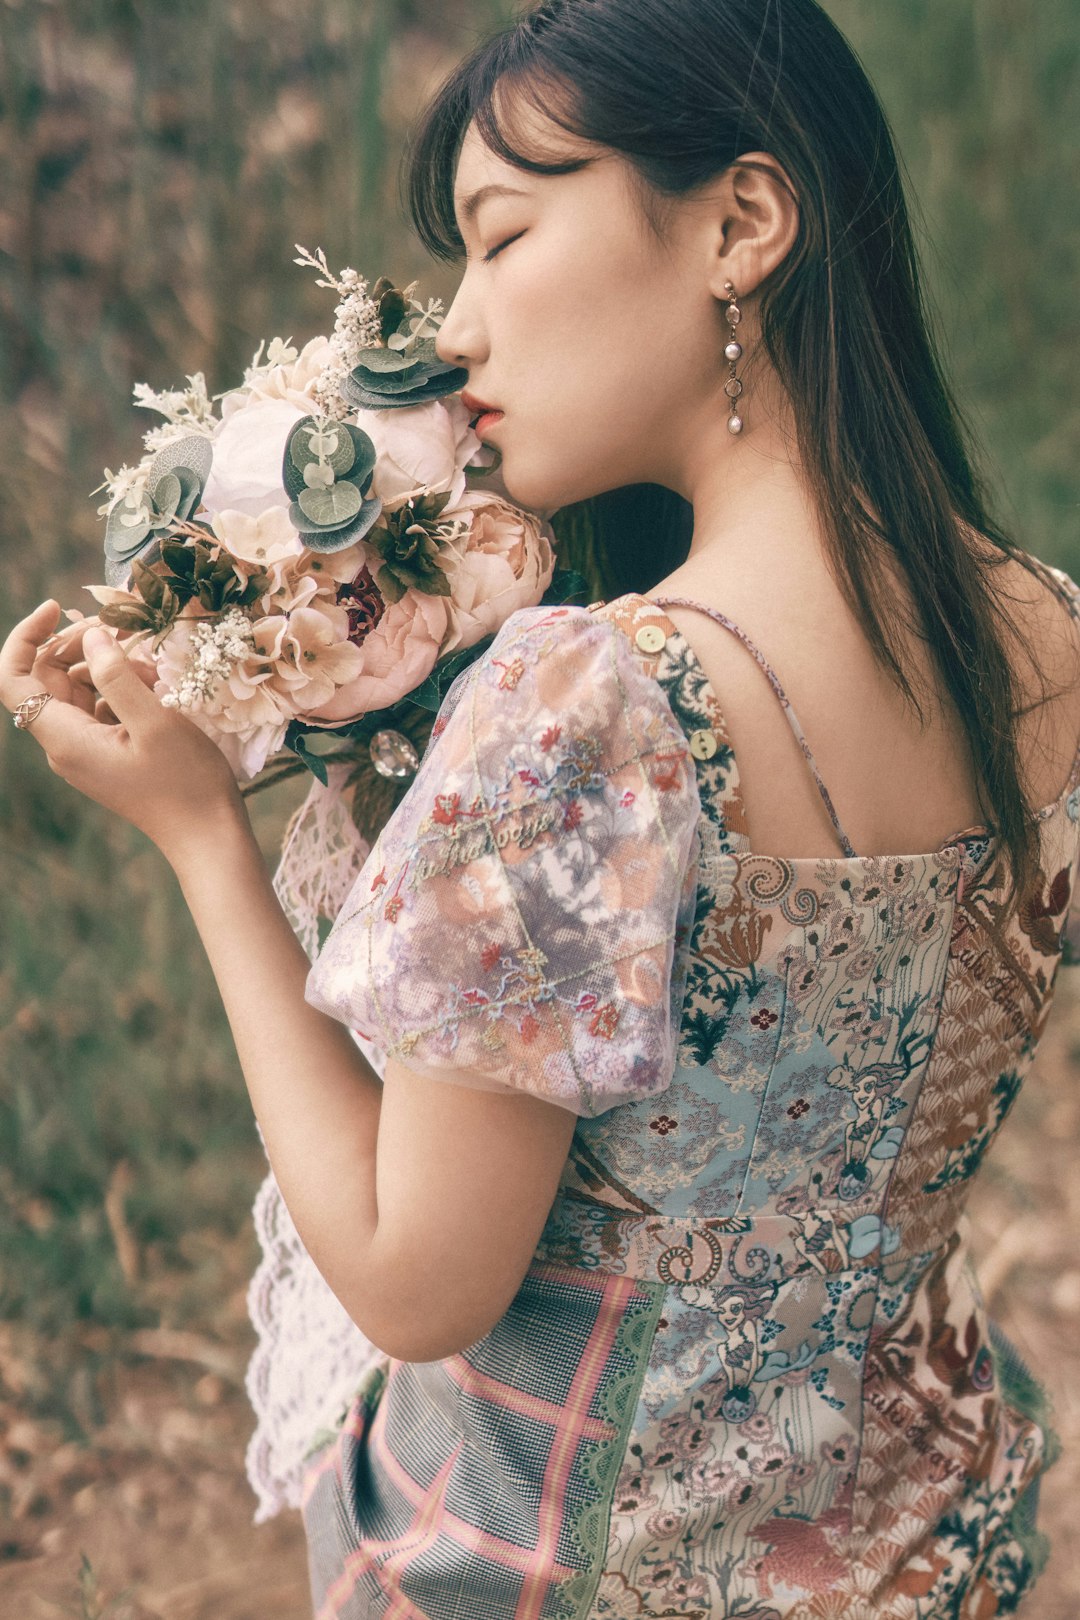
(447,381)
(324,540)
(338,450)
(329,507)
(167,494)
(366,455)
(424,350)
(122,539)
(117,571)
(388,360)
(133,518)
(192,487)
(294,461)
(390,382)
(194,450)
(318,475)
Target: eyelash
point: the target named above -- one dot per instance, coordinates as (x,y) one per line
(498,249)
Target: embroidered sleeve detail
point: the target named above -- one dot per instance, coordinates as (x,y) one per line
(517,925)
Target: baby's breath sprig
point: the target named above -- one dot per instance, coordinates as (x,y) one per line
(356,327)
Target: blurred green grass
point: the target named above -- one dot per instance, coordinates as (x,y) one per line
(158,164)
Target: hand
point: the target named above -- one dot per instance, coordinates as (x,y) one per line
(107,735)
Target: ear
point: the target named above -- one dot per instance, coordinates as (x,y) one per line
(758,223)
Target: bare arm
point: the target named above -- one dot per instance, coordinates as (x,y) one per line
(421,1205)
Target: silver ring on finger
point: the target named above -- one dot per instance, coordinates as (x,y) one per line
(27,711)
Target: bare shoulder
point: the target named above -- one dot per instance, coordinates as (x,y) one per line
(1041,628)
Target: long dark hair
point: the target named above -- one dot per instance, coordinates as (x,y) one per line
(682,88)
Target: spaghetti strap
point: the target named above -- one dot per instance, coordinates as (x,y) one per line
(774,682)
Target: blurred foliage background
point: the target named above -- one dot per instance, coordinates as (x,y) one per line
(157,164)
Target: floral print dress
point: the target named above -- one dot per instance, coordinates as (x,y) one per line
(749,1372)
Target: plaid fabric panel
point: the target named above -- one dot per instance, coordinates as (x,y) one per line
(479,1487)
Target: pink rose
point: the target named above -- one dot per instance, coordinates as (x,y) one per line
(505,562)
(397,655)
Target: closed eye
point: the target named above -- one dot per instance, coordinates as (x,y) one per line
(500,246)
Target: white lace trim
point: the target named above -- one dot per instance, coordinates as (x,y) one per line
(310,1354)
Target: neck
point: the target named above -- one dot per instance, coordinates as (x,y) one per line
(751,503)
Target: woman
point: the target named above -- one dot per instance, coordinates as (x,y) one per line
(673,1320)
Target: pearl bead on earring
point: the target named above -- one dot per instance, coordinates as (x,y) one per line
(733,354)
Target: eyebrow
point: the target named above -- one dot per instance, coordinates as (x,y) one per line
(495,188)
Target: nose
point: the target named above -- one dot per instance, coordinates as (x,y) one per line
(458,341)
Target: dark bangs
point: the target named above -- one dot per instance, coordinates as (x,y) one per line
(513,59)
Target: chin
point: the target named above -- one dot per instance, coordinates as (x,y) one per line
(540,489)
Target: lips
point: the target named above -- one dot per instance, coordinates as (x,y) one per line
(478,408)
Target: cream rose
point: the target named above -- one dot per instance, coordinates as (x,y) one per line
(420,445)
(249,448)
(505,562)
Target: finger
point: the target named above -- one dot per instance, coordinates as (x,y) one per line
(82,687)
(64,646)
(21,649)
(103,713)
(119,684)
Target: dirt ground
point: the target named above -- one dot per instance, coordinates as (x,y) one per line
(161,1510)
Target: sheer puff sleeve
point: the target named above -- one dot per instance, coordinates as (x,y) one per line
(520,923)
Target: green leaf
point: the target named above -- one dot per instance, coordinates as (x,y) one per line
(387,360)
(125,618)
(391,587)
(191,484)
(378,395)
(424,351)
(296,456)
(167,494)
(366,456)
(434,583)
(387,382)
(566,584)
(328,507)
(314,764)
(180,557)
(316,537)
(125,531)
(430,693)
(334,439)
(150,586)
(194,450)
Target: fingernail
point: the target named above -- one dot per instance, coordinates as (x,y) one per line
(94,638)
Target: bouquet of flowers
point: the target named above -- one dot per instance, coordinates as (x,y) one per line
(325,554)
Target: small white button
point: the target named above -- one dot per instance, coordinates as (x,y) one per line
(703,744)
(650,638)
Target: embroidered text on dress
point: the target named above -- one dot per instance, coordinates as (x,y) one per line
(484,839)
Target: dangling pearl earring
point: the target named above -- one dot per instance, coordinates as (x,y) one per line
(733,354)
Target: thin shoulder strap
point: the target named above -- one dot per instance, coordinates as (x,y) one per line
(785,702)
